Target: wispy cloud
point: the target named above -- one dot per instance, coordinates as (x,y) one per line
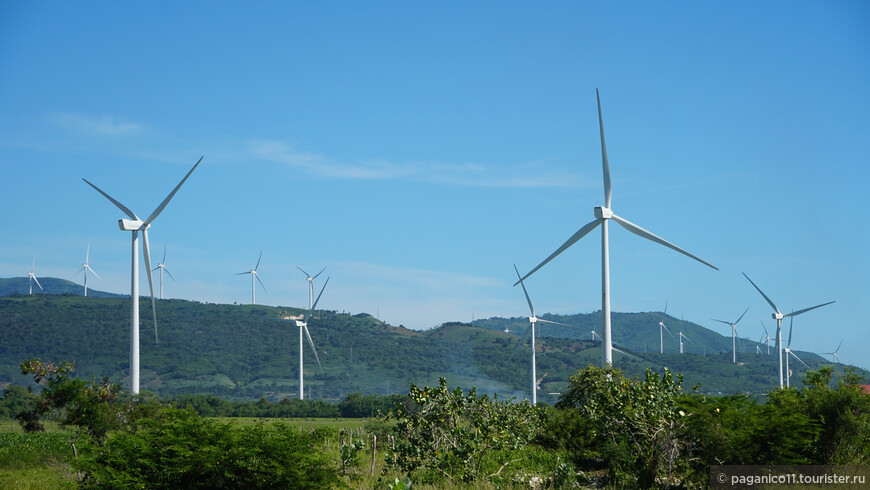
(534,174)
(103,124)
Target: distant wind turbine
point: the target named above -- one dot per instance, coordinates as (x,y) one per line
(733,333)
(778,316)
(531,330)
(767,338)
(135,225)
(833,355)
(253,273)
(162,267)
(85,268)
(311,287)
(32,276)
(603,214)
(303,328)
(681,341)
(662,328)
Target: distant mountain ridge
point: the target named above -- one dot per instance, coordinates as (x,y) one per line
(245,351)
(50,285)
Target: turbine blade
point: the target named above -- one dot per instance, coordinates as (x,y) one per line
(766,333)
(164,254)
(307,275)
(258,280)
(80,270)
(130,214)
(741,316)
(242,273)
(637,230)
(88,253)
(171,194)
(557,323)
(838,347)
(170,274)
(721,321)
(37,283)
(604,164)
(576,236)
(762,293)
(521,341)
(311,343)
(669,331)
(790,326)
(147,253)
(531,308)
(626,353)
(258,260)
(93,272)
(321,272)
(796,313)
(798,358)
(315,302)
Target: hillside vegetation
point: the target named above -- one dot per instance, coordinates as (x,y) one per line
(247,352)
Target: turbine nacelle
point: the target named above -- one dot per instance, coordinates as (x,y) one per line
(533,319)
(777,316)
(603,213)
(132,225)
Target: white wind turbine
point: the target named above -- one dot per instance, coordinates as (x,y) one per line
(662,329)
(767,338)
(311,286)
(788,352)
(603,214)
(162,267)
(531,330)
(733,333)
(85,268)
(303,328)
(32,276)
(833,355)
(135,225)
(778,316)
(681,341)
(253,273)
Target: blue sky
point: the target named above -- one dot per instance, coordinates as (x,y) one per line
(418,150)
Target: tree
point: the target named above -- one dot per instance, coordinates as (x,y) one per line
(451,432)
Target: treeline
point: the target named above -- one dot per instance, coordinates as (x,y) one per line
(17,399)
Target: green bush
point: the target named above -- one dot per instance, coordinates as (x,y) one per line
(179,449)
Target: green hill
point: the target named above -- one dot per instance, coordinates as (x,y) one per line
(244,351)
(50,285)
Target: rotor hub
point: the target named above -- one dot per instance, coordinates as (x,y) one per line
(603,213)
(778,316)
(132,225)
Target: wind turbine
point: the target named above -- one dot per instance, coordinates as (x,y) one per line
(681,341)
(303,326)
(162,267)
(788,352)
(833,355)
(253,273)
(135,225)
(85,268)
(778,316)
(603,214)
(733,333)
(32,276)
(594,334)
(532,320)
(662,328)
(767,338)
(311,286)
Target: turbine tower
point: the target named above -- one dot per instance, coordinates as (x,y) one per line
(253,273)
(603,214)
(85,268)
(532,320)
(788,352)
(32,276)
(833,355)
(733,333)
(162,267)
(778,316)
(311,286)
(135,225)
(303,328)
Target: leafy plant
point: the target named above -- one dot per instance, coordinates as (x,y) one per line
(451,432)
